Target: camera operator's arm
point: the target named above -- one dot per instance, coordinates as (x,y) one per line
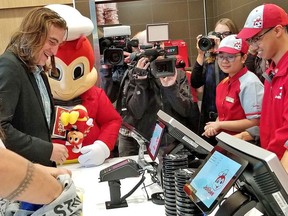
(137,97)
(106,81)
(178,93)
(251,58)
(198,74)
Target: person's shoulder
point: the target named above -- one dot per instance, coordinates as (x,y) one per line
(11,62)
(9,56)
(249,77)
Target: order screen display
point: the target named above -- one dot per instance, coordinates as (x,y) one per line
(155,141)
(213,177)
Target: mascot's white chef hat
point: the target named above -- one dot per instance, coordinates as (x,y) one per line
(78,25)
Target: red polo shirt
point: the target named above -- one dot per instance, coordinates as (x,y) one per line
(239,97)
(274,118)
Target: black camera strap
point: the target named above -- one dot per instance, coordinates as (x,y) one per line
(217,76)
(122,94)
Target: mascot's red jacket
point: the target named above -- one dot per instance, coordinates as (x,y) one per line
(73,83)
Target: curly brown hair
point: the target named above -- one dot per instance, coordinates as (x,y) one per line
(29,39)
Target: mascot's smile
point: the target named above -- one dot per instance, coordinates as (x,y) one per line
(66,86)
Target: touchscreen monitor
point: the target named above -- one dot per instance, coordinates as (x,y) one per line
(155,141)
(214,178)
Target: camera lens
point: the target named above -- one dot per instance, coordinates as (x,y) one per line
(206,43)
(113,56)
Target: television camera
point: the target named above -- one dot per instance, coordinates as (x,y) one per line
(206,42)
(115,41)
(159,67)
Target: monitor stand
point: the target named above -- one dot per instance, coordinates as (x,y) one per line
(142,148)
(238,204)
(141,161)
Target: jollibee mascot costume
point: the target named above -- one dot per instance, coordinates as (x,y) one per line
(86,121)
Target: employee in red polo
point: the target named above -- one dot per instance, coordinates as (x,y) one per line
(239,96)
(267,27)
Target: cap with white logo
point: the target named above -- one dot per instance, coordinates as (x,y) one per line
(262,17)
(232,45)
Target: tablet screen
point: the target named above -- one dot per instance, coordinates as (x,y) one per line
(155,140)
(214,178)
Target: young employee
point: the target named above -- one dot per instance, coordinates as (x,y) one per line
(267,27)
(239,96)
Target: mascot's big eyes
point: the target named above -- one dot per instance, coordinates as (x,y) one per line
(78,71)
(57,74)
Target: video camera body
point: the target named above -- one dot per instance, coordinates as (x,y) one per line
(116,40)
(122,42)
(159,67)
(206,42)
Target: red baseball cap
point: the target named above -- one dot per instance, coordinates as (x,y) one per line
(232,45)
(262,17)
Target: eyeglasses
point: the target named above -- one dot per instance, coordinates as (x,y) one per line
(257,38)
(226,33)
(223,34)
(229,58)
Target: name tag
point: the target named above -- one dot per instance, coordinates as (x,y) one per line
(229,99)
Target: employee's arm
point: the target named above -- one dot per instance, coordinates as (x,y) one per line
(24,181)
(284,160)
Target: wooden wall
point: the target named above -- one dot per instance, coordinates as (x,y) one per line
(12,12)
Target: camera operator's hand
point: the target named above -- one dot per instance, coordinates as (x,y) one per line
(217,41)
(127,57)
(141,68)
(143,63)
(253,49)
(169,80)
(200,52)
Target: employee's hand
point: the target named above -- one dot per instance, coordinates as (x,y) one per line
(211,129)
(244,136)
(284,160)
(59,153)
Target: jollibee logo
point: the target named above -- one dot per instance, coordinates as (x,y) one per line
(237,45)
(257,23)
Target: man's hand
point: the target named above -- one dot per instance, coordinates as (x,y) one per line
(54,171)
(59,153)
(169,80)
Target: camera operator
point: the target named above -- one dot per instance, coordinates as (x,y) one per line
(143,95)
(112,74)
(111,77)
(207,73)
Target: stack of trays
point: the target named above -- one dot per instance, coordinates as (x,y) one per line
(171,163)
(184,206)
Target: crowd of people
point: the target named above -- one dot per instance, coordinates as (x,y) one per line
(244,76)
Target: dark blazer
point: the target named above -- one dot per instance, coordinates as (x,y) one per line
(21,111)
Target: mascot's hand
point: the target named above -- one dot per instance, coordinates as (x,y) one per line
(94,154)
